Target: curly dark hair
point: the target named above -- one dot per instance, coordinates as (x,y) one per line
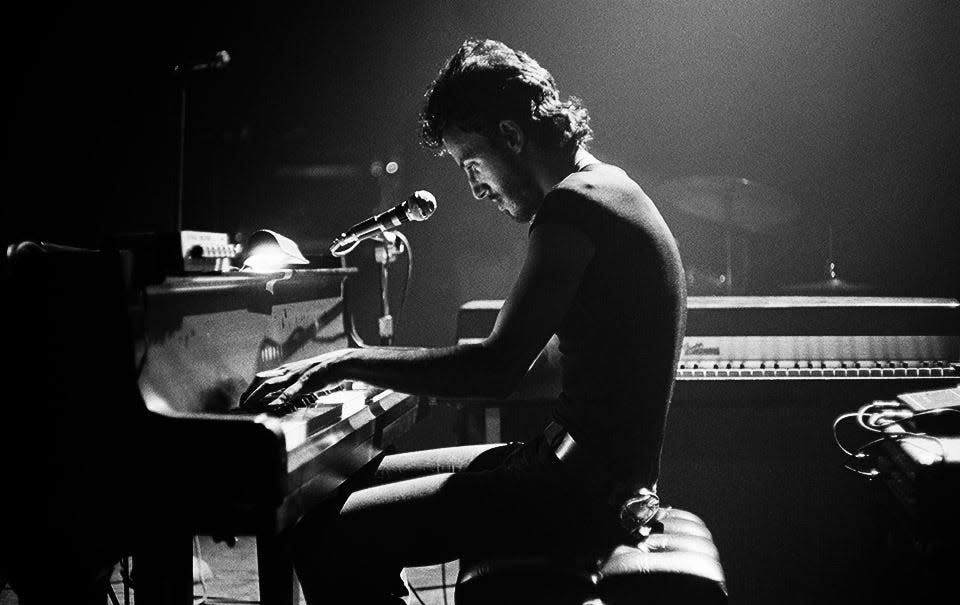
(485,82)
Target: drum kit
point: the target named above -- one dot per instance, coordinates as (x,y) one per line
(743,208)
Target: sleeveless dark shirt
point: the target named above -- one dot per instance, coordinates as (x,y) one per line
(621,337)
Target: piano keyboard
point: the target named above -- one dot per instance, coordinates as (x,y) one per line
(798,338)
(785,369)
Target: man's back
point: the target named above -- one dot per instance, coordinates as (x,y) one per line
(620,339)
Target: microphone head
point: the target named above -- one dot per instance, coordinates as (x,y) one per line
(420,205)
(221,59)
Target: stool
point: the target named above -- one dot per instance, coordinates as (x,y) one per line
(678,564)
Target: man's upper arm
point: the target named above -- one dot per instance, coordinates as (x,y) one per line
(557,258)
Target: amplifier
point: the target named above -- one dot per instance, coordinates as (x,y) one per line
(162,254)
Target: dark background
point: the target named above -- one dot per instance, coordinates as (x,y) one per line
(848,110)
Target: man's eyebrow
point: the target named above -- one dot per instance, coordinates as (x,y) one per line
(467,155)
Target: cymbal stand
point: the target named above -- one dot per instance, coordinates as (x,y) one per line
(831,264)
(727,218)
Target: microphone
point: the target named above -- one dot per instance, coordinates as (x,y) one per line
(418,207)
(218,61)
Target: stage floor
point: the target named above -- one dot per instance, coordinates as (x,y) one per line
(232,578)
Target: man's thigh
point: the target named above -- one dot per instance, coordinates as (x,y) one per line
(408,465)
(445,516)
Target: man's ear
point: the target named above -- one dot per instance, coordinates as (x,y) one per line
(513,135)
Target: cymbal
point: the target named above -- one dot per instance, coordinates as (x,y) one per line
(835,285)
(729,201)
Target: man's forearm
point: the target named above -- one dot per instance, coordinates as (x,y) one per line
(461,371)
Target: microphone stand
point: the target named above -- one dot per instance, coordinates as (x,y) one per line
(182,72)
(181,146)
(386,253)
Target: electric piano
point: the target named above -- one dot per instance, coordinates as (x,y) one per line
(749,444)
(126,402)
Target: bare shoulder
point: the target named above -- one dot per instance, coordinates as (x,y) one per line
(598,179)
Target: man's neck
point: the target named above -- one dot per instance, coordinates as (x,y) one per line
(557,167)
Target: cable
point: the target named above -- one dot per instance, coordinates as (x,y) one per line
(887,405)
(861,452)
(406,282)
(443,581)
(836,437)
(341,252)
(879,422)
(354,334)
(859,415)
(348,311)
(415,593)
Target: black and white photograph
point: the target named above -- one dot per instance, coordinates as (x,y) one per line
(423,302)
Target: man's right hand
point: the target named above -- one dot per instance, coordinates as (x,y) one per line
(284,383)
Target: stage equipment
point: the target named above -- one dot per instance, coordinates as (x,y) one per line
(161,254)
(182,73)
(749,444)
(268,251)
(832,284)
(418,207)
(738,205)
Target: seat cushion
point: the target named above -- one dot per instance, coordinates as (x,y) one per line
(677,563)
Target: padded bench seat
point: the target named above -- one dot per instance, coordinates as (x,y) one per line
(677,563)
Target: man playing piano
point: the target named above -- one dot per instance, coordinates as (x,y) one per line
(602,272)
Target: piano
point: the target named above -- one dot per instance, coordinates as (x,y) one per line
(125,435)
(790,337)
(749,443)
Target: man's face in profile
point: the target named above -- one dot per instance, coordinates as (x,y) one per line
(494,172)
